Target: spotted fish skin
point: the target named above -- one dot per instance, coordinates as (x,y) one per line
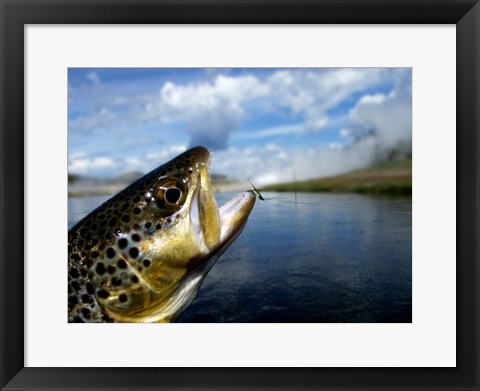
(143,254)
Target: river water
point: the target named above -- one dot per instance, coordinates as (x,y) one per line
(308,257)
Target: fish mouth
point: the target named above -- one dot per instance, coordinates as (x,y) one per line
(217,227)
(234,215)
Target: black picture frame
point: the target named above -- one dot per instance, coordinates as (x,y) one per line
(15,14)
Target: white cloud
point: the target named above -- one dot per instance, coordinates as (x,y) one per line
(310,93)
(266,165)
(78,166)
(81,164)
(78,154)
(93,77)
(271,147)
(275,131)
(345,133)
(101,119)
(165,154)
(386,118)
(211,111)
(335,146)
(102,162)
(134,163)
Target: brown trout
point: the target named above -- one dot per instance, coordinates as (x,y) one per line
(143,254)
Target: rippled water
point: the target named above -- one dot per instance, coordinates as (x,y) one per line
(308,258)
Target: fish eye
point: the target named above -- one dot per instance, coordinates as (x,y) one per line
(170,194)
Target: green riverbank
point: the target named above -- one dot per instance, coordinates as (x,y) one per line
(394,179)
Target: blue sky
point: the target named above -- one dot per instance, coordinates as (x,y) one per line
(265,124)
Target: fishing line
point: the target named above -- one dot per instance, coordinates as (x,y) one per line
(296,202)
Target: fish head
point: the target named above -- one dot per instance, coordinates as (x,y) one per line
(169,235)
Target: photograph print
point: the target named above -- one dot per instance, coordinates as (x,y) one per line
(240,195)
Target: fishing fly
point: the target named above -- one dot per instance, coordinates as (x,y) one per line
(256,192)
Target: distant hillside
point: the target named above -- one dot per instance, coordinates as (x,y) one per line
(129,177)
(79,185)
(393,178)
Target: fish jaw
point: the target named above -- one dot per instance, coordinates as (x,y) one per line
(234,215)
(218,226)
(209,216)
